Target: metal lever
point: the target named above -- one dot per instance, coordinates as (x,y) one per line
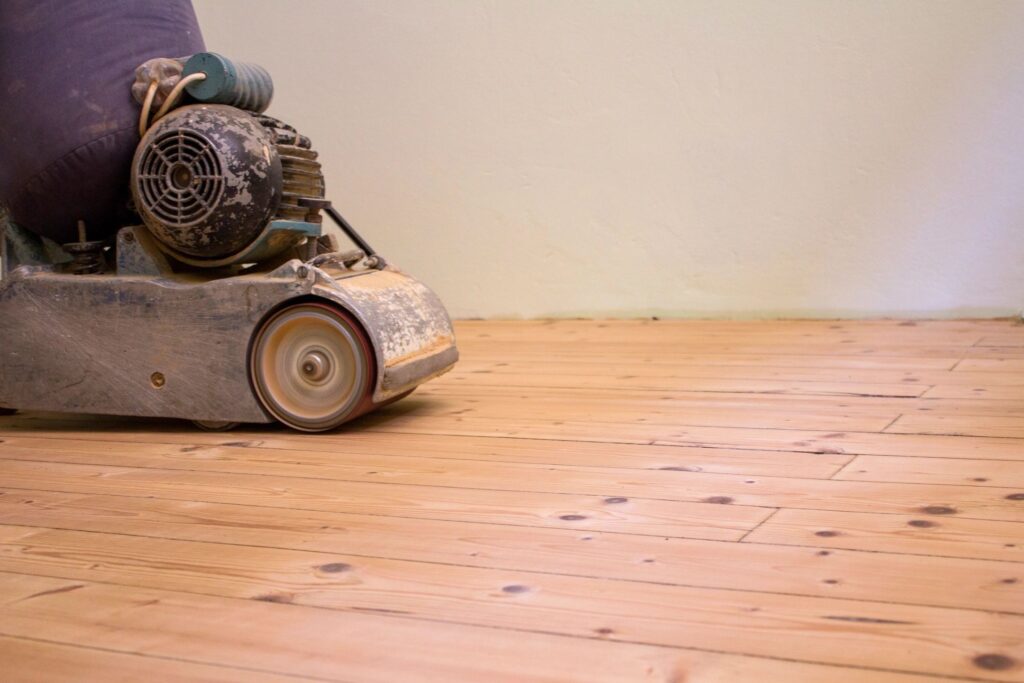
(347,228)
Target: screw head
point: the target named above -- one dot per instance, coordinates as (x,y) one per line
(157,379)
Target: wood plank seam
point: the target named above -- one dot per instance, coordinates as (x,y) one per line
(1010,491)
(385,456)
(651,442)
(166,658)
(893,422)
(554,634)
(581,575)
(654,390)
(750,531)
(661,441)
(880,552)
(673,475)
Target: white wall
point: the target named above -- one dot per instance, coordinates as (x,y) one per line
(665,157)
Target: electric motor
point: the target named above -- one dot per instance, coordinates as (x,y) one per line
(208,180)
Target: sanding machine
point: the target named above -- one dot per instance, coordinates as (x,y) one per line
(225,301)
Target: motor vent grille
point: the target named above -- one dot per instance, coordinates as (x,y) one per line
(180,178)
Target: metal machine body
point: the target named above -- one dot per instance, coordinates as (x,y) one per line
(227,304)
(150,342)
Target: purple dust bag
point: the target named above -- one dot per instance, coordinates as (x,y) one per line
(68,123)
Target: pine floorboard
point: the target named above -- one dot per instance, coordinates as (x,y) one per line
(576,501)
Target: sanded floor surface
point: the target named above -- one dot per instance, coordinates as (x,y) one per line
(577,501)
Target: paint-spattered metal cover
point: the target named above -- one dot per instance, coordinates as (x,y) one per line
(206,179)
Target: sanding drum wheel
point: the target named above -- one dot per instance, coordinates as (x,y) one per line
(312,367)
(215,425)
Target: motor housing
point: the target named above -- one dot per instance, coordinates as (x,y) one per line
(206,180)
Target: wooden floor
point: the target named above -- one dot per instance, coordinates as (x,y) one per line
(591,501)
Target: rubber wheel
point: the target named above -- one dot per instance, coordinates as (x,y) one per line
(311,366)
(215,425)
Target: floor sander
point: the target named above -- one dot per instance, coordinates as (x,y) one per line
(225,301)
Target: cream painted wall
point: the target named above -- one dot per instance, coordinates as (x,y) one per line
(665,157)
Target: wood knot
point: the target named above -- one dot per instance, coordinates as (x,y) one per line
(993,662)
(611,501)
(1015,496)
(826,533)
(604,631)
(514,588)
(718,500)
(572,518)
(921,523)
(335,567)
(282,598)
(938,510)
